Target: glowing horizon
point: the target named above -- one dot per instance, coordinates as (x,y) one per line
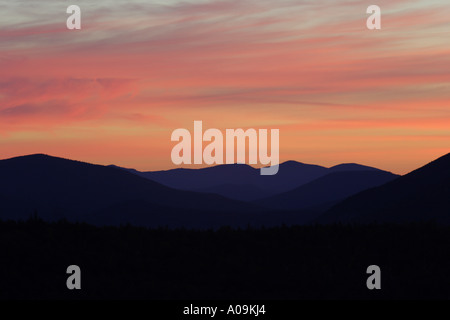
(113,92)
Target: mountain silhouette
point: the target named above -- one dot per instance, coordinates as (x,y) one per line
(422,195)
(243,182)
(351,167)
(59,188)
(290,175)
(56,188)
(328,190)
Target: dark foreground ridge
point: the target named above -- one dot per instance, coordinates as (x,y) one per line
(58,188)
(421,195)
(309,262)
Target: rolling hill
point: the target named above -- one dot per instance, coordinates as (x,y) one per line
(422,195)
(59,188)
(243,182)
(327,190)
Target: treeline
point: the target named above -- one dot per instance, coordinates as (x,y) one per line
(299,262)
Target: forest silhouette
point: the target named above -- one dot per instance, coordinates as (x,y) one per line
(299,262)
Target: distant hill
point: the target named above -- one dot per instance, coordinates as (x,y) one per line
(351,167)
(243,182)
(328,190)
(422,195)
(59,188)
(290,175)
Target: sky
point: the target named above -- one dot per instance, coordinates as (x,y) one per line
(114,91)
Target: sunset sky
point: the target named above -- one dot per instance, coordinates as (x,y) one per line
(114,91)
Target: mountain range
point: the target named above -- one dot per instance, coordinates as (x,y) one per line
(59,188)
(243,182)
(234,195)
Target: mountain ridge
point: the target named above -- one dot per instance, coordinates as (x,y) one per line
(333,187)
(63,188)
(292,174)
(421,195)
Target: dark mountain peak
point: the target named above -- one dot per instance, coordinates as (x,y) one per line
(439,167)
(420,195)
(35,156)
(351,167)
(291,164)
(38,157)
(213,169)
(40,164)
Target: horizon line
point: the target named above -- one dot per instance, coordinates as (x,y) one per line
(195,166)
